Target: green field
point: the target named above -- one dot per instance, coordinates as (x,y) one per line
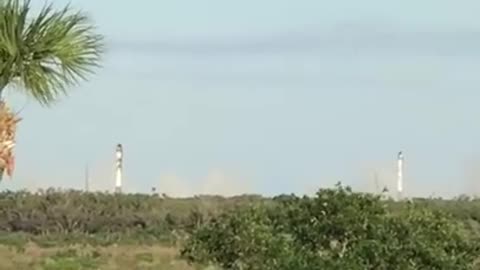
(127,257)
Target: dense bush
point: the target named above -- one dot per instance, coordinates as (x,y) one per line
(337,229)
(73,214)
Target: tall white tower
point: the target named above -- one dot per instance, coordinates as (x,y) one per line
(400,160)
(118,168)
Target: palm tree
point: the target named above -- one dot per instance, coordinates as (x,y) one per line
(45,54)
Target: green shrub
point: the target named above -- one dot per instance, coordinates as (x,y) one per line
(337,229)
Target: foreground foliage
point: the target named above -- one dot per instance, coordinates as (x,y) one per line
(43,54)
(8,129)
(338,229)
(48,52)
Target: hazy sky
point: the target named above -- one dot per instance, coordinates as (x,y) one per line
(267,96)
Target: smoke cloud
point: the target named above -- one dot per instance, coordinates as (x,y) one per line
(217,182)
(472,176)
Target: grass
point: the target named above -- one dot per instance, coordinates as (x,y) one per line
(85,257)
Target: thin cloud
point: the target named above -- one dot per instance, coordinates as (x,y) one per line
(347,38)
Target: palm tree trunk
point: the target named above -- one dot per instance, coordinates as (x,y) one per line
(7,127)
(2,87)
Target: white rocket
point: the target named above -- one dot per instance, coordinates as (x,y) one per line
(118,168)
(400,160)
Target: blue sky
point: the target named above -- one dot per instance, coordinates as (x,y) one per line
(267,97)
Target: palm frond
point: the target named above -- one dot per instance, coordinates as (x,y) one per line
(48,53)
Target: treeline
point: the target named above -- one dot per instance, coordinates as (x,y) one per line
(53,212)
(113,216)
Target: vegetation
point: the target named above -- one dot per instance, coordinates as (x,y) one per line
(101,218)
(76,257)
(47,53)
(43,55)
(336,229)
